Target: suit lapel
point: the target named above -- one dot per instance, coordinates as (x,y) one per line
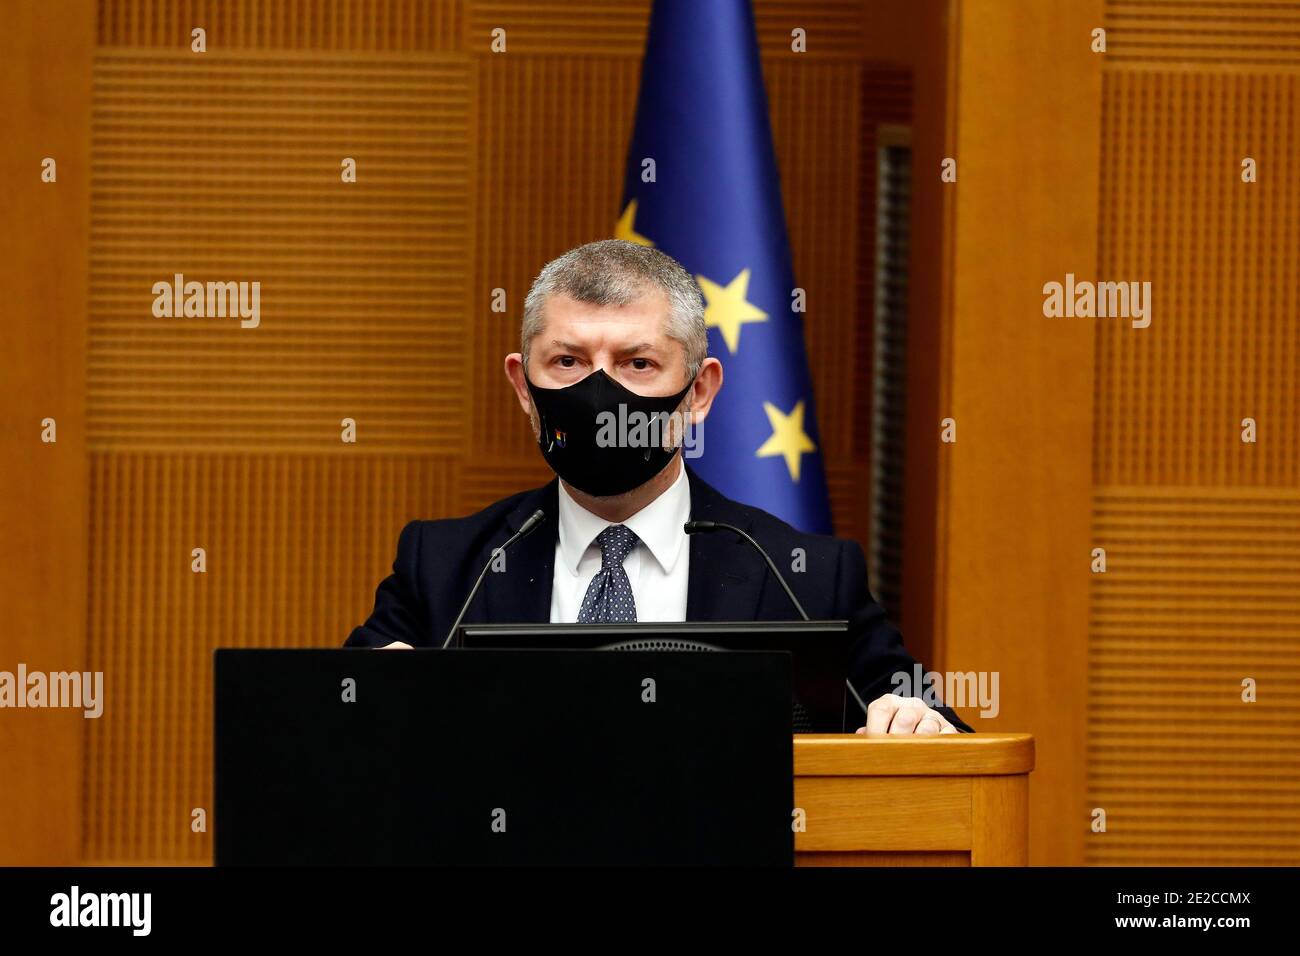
(522,593)
(726,577)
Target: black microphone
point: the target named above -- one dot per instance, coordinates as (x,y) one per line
(525,529)
(693,527)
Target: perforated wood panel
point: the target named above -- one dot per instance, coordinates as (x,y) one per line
(317,25)
(1201,593)
(294,545)
(1223,260)
(472,169)
(1201,530)
(1213,34)
(230,171)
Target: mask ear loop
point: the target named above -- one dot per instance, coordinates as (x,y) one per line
(541,424)
(541,419)
(686,418)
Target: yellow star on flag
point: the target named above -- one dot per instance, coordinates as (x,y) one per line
(788,437)
(625,228)
(726,309)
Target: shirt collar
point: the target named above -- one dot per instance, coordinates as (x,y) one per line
(658,525)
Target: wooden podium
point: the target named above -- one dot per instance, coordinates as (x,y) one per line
(950,800)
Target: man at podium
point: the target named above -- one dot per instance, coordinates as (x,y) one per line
(614,376)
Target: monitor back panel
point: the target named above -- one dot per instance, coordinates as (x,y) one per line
(502,757)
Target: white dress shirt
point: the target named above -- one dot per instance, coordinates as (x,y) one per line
(657,565)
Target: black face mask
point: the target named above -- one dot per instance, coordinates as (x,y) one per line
(602,438)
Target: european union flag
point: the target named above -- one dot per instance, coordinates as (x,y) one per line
(702,185)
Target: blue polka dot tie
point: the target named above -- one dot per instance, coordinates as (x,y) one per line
(609,596)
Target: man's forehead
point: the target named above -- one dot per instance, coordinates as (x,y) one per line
(642,322)
(647,300)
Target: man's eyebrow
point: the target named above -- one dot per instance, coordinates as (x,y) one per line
(567,346)
(639,347)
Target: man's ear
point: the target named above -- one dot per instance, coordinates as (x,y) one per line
(515,373)
(705,390)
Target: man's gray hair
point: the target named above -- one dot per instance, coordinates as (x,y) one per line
(617,272)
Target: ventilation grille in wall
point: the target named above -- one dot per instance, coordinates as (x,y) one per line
(893,200)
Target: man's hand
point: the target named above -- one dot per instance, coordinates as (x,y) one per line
(396,646)
(892,714)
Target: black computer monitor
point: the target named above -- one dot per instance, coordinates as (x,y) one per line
(824,701)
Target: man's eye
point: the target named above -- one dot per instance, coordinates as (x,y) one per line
(566,361)
(640,364)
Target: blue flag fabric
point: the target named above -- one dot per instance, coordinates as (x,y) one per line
(714,205)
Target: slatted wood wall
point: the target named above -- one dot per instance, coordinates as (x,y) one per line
(473,169)
(1202,531)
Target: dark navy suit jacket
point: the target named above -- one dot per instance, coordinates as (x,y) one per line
(437,562)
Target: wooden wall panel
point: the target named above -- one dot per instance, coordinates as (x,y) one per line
(295,545)
(45,70)
(1014,489)
(833,29)
(568,28)
(1223,258)
(484,480)
(935,48)
(225,170)
(1213,34)
(403,26)
(1201,591)
(1201,530)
